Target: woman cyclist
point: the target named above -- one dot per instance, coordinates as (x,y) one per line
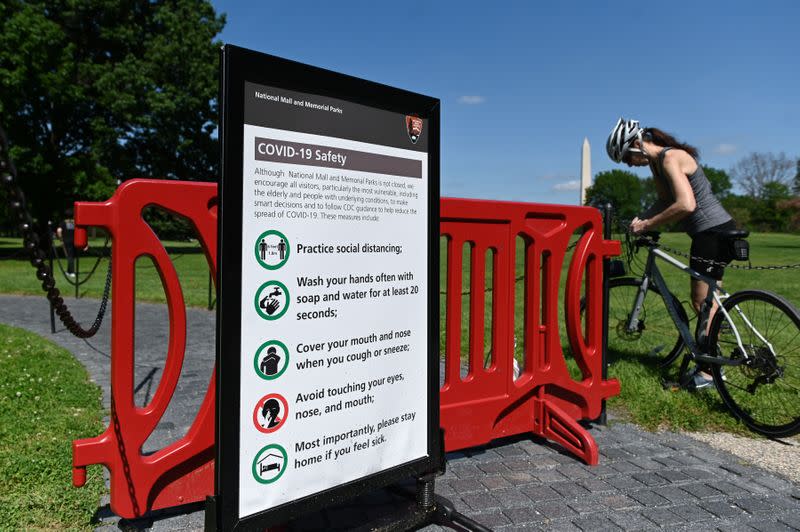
(684,196)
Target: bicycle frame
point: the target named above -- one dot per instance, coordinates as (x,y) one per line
(651,272)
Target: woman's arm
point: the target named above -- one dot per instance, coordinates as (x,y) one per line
(663,198)
(684,203)
(655,208)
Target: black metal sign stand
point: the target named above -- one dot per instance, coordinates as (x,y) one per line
(374,114)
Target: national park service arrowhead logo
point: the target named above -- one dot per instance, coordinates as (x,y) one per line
(414,127)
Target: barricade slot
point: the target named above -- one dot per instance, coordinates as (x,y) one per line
(584,321)
(149,335)
(453,312)
(587,331)
(179,238)
(585,291)
(490,261)
(569,356)
(544,328)
(465,347)
(521,304)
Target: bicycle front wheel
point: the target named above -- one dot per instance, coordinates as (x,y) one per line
(764,389)
(655,338)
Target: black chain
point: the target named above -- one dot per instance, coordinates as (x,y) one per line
(126,467)
(720,264)
(36,250)
(89,275)
(654,243)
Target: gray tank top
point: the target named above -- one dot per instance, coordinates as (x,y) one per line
(709,211)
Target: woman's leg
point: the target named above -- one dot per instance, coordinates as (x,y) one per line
(699,294)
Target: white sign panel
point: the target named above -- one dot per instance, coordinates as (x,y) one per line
(334,313)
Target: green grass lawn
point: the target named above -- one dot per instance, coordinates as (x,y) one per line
(46,401)
(642,398)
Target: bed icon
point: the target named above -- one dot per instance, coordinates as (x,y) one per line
(269,464)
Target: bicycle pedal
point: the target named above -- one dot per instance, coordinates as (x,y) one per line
(671,386)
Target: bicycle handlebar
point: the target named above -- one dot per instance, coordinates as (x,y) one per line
(647,238)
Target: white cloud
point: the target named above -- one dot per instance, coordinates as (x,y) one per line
(471,100)
(725,149)
(568,185)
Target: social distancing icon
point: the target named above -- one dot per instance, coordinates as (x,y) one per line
(270,413)
(270,463)
(272,300)
(272,249)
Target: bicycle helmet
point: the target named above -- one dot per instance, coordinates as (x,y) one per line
(622,137)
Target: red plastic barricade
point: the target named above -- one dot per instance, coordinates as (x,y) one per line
(487,404)
(183,472)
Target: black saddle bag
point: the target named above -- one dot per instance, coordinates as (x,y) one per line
(740,249)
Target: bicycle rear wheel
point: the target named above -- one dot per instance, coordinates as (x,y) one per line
(764,390)
(656,338)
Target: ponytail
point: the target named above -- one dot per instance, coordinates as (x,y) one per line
(661,138)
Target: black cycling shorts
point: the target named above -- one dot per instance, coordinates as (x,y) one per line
(709,245)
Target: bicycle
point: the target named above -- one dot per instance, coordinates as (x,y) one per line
(752,345)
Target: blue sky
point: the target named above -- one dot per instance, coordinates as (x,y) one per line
(523,83)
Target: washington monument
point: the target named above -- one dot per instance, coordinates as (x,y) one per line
(586,169)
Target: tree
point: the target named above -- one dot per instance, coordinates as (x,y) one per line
(720,181)
(766,214)
(796,184)
(791,208)
(623,190)
(97,90)
(756,170)
(649,192)
(740,208)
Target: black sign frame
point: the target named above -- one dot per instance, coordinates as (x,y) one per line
(239,65)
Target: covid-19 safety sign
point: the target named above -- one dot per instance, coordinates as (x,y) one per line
(328,352)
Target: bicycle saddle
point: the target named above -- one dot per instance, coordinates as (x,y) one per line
(735,233)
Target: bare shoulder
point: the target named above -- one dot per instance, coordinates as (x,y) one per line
(678,159)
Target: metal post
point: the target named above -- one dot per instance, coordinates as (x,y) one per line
(52,271)
(607,211)
(77,271)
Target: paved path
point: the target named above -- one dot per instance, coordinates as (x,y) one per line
(645,481)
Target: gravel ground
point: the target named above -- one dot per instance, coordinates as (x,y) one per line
(780,456)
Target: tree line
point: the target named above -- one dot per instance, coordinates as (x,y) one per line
(769,198)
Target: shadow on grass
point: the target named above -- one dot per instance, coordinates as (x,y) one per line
(648,402)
